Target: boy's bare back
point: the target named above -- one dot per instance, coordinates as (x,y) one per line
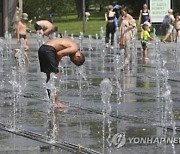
(62,43)
(45,24)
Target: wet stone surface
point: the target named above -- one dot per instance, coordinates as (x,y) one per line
(24,104)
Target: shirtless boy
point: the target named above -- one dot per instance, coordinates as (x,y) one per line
(21,31)
(45,27)
(52,52)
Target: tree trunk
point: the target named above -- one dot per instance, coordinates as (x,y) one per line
(79,8)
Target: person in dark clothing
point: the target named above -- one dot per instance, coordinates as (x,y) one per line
(110,26)
(117,11)
(144,16)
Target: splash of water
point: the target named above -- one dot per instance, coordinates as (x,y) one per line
(72,36)
(51,85)
(21,55)
(118,64)
(102,32)
(65,34)
(15,90)
(39,39)
(103,54)
(166,102)
(81,75)
(97,42)
(81,36)
(106,91)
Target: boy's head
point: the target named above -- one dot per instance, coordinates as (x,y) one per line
(78,58)
(55,29)
(24,17)
(146,26)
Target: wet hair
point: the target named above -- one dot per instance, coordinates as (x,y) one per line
(55,28)
(81,60)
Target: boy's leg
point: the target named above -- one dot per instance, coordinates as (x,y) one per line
(178,36)
(26,47)
(59,104)
(57,101)
(145,53)
(47,79)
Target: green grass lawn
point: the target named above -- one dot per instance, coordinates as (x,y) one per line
(71,24)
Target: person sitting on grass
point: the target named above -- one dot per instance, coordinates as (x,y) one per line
(45,27)
(145,39)
(50,55)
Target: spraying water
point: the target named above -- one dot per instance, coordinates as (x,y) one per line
(106,91)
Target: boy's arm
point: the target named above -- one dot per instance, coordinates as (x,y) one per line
(150,38)
(67,51)
(46,32)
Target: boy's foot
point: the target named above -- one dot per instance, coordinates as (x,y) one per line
(60,105)
(146,58)
(16,50)
(26,49)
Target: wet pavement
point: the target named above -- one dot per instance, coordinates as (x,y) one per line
(138,114)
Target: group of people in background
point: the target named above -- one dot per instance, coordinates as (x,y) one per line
(171,23)
(118,19)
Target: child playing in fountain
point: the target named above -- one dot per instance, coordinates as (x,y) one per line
(145,39)
(45,27)
(21,31)
(177,27)
(50,55)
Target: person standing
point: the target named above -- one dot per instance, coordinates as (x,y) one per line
(144,16)
(146,38)
(50,55)
(127,25)
(110,26)
(21,31)
(169,21)
(177,27)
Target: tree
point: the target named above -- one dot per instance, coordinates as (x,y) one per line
(42,8)
(79,7)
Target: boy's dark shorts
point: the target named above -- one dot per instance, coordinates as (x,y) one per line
(144,44)
(37,27)
(22,36)
(48,59)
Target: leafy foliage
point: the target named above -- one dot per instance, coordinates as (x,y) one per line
(42,8)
